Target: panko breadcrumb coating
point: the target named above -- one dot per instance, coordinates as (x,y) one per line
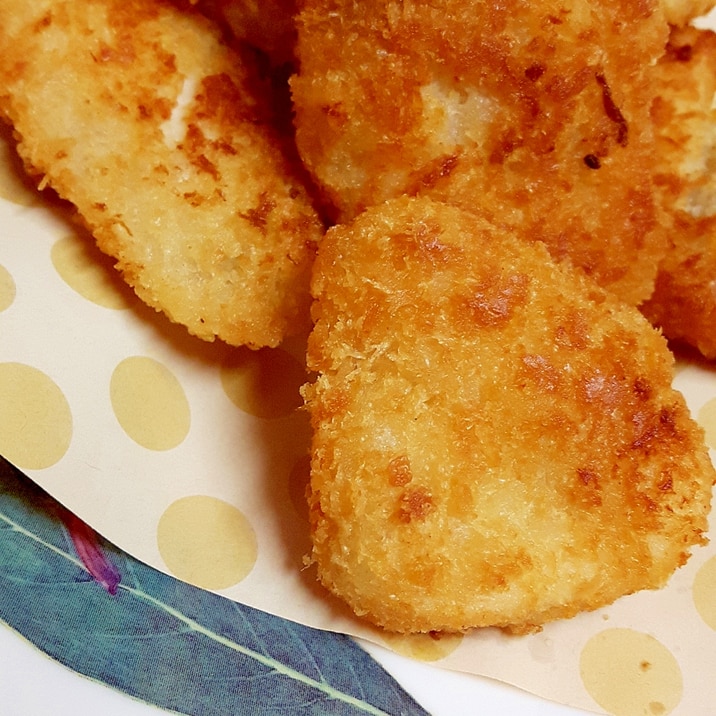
(139,116)
(496,438)
(684,299)
(536,112)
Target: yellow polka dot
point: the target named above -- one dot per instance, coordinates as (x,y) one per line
(88,271)
(35,418)
(298,484)
(149,403)
(7,288)
(707,420)
(424,647)
(206,542)
(264,383)
(704,592)
(14,186)
(628,672)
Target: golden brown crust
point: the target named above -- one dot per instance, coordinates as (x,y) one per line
(684,299)
(537,113)
(156,132)
(496,439)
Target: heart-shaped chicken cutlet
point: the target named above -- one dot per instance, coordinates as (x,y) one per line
(496,439)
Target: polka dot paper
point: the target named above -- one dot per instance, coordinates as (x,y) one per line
(193,457)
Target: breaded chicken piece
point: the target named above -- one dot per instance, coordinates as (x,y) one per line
(536,112)
(135,113)
(496,438)
(684,299)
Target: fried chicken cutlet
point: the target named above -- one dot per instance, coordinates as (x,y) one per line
(684,299)
(496,439)
(536,112)
(155,131)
